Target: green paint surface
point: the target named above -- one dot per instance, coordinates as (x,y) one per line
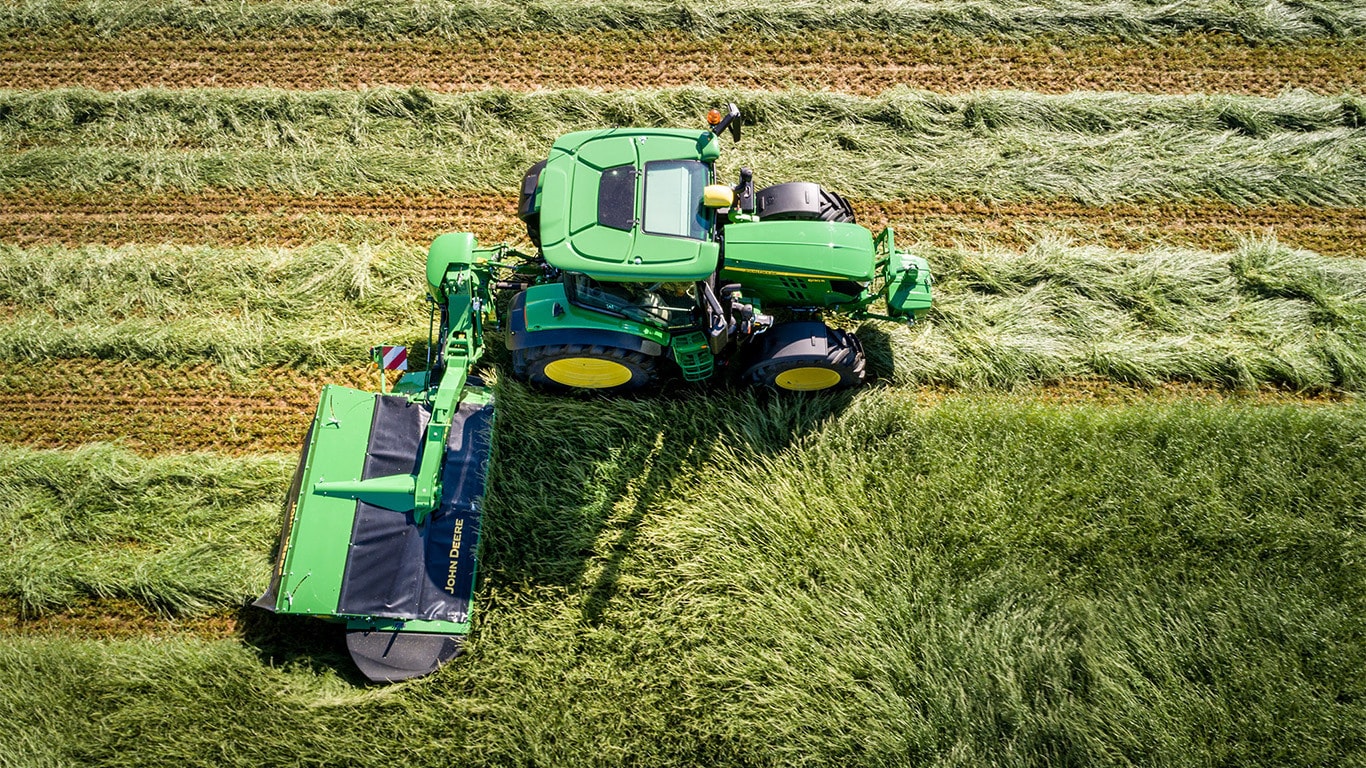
(320,536)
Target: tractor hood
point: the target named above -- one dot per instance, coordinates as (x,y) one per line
(819,250)
(626,205)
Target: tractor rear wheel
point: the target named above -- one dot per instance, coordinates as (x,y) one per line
(584,366)
(802,200)
(806,357)
(526,203)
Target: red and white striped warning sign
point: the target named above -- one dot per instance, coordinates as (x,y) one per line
(390,358)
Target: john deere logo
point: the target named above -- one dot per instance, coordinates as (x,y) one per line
(455,556)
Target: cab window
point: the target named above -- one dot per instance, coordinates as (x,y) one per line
(673,198)
(617,198)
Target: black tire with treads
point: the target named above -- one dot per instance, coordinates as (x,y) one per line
(807,356)
(802,201)
(530,365)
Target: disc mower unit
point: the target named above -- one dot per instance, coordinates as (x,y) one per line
(381,523)
(644,270)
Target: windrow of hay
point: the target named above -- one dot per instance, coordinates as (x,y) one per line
(1262,314)
(1089,148)
(1259,314)
(1014,19)
(175,533)
(325,304)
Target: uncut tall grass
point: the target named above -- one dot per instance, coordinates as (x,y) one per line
(848,579)
(1263,314)
(1089,148)
(1123,19)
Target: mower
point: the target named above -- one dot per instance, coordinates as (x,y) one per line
(645,271)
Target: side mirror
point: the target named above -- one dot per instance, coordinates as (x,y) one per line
(730,120)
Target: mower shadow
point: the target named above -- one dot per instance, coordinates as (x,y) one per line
(295,641)
(574,480)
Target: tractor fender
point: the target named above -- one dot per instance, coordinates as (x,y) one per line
(519,337)
(529,204)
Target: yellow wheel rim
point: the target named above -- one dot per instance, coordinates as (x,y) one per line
(587,372)
(807,379)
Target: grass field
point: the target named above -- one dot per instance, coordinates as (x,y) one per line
(1162,583)
(1104,506)
(1011,19)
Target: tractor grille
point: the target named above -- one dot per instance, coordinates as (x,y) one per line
(794,287)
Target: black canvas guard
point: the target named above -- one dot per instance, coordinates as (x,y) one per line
(396,569)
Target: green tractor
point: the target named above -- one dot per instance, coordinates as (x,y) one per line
(650,269)
(645,270)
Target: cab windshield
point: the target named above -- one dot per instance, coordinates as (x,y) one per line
(666,305)
(673,198)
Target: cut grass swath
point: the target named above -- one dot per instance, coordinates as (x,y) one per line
(175,533)
(239,307)
(1088,148)
(1259,315)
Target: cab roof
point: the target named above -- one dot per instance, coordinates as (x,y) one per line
(595,228)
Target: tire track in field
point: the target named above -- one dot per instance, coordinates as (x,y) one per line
(266,218)
(860,63)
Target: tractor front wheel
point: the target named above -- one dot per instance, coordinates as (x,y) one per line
(584,366)
(802,201)
(807,356)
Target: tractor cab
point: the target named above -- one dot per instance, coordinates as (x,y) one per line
(627,205)
(649,266)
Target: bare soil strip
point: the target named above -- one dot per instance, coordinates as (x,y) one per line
(255,218)
(1207,225)
(860,63)
(249,218)
(113,619)
(265,218)
(155,409)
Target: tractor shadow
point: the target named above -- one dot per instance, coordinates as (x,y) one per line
(571,484)
(573,481)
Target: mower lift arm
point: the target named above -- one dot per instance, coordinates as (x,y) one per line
(462,282)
